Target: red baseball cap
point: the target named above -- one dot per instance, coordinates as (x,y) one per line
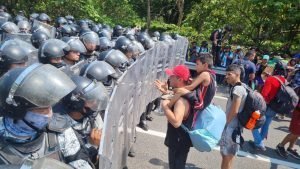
(180,71)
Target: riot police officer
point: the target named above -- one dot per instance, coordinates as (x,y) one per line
(90,40)
(8,27)
(28,128)
(105,33)
(117,31)
(76,48)
(126,46)
(145,40)
(24,27)
(44,18)
(156,36)
(104,44)
(82,108)
(12,56)
(116,59)
(52,51)
(102,72)
(38,38)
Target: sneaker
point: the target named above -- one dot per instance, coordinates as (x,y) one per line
(293,153)
(256,147)
(281,151)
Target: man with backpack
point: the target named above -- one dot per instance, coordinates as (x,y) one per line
(228,146)
(270,89)
(177,140)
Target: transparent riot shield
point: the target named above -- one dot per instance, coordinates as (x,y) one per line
(50,28)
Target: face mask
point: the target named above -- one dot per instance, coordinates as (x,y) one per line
(24,132)
(39,121)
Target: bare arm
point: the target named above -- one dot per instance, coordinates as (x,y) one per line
(203,78)
(234,109)
(176,117)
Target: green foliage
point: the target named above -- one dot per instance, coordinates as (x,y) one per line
(267,24)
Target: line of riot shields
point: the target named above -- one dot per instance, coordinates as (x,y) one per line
(130,97)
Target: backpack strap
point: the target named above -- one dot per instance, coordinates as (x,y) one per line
(279,80)
(231,90)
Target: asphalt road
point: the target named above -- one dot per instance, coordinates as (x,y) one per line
(151,153)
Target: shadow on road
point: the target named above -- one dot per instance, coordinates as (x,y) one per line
(165,165)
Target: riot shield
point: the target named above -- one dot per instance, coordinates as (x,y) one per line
(50,28)
(21,36)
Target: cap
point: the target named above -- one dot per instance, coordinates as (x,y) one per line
(238,47)
(266,57)
(180,71)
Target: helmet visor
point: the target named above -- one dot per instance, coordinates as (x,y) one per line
(95,96)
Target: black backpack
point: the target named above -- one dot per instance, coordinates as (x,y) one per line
(285,100)
(254,102)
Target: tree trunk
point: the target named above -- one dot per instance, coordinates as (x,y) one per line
(148,14)
(180,6)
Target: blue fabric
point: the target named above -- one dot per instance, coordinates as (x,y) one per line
(226,58)
(249,69)
(260,134)
(208,128)
(20,130)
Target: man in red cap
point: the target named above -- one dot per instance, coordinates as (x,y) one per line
(177,140)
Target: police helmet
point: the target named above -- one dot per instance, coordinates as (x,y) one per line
(115,58)
(131,37)
(9,27)
(145,40)
(118,31)
(66,30)
(105,33)
(12,54)
(156,34)
(40,28)
(6,15)
(38,38)
(33,16)
(87,94)
(123,44)
(24,26)
(90,37)
(35,86)
(104,44)
(70,18)
(60,21)
(44,18)
(100,71)
(75,44)
(19,18)
(52,48)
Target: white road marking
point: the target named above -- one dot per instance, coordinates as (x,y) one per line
(241,153)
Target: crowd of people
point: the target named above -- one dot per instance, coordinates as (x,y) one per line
(56,81)
(265,73)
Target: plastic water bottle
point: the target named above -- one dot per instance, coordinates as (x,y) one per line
(252,121)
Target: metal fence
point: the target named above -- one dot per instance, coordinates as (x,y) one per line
(130,97)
